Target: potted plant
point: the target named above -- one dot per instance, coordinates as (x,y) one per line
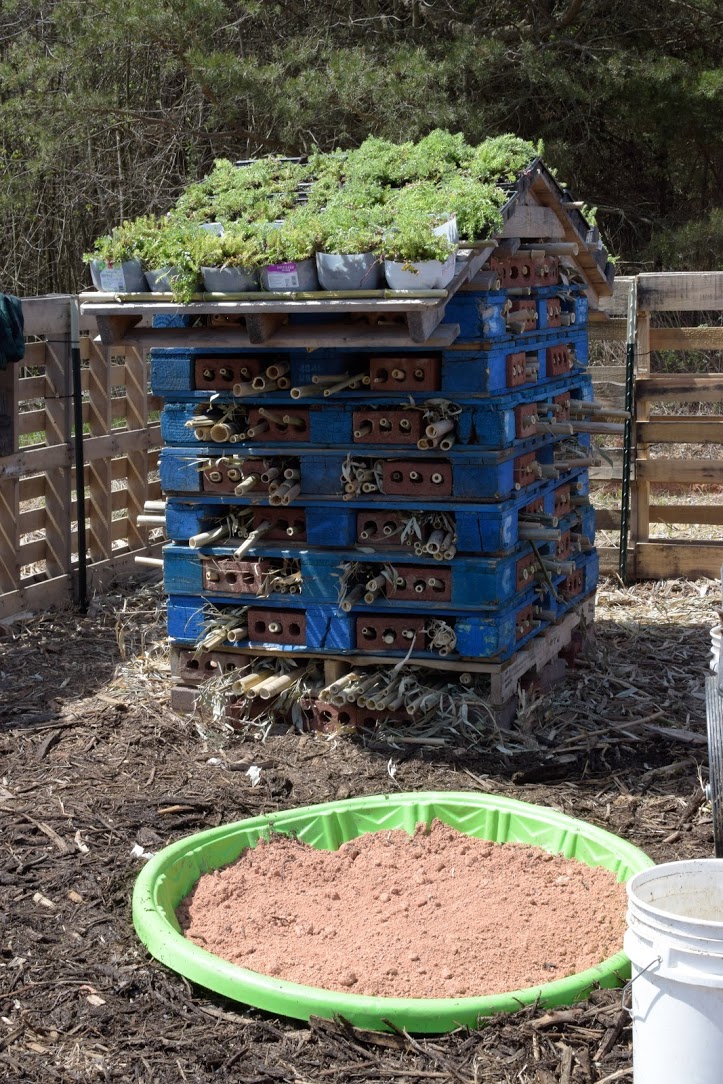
(289,249)
(348,257)
(415,257)
(476,206)
(230,263)
(427,198)
(115,261)
(171,259)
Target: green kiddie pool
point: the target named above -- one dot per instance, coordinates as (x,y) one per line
(172,873)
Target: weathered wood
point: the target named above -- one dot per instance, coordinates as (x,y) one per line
(137,459)
(47,316)
(58,429)
(680,387)
(681,291)
(686,338)
(680,471)
(699,514)
(607,374)
(261,327)
(99,477)
(114,329)
(608,331)
(670,559)
(356,336)
(676,430)
(532,221)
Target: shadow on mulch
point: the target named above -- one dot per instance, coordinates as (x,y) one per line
(80,1000)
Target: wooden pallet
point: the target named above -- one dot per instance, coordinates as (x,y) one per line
(264,321)
(540,664)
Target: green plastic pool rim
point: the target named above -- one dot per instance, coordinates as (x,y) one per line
(171,874)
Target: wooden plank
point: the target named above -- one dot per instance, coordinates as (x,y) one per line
(533,221)
(609,557)
(677,430)
(542,189)
(99,507)
(680,387)
(37,596)
(58,428)
(137,460)
(47,316)
(680,472)
(614,331)
(686,338)
(332,336)
(681,291)
(32,489)
(698,514)
(678,559)
(617,304)
(34,355)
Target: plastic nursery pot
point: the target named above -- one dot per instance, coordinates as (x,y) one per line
(299,275)
(229,280)
(449,230)
(159,282)
(172,873)
(359,271)
(428,274)
(123,278)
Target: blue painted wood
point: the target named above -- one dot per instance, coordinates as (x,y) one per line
(480,637)
(475,476)
(474,369)
(478,583)
(487,528)
(487,425)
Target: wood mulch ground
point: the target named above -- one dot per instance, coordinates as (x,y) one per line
(94,763)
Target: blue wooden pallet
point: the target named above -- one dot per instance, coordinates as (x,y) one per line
(481,315)
(464,476)
(472,369)
(466,583)
(321,628)
(490,425)
(486,528)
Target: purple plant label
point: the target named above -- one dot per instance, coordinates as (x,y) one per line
(112,279)
(282,276)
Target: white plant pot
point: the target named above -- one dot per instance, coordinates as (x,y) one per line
(159,282)
(119,278)
(449,230)
(429,274)
(299,275)
(229,280)
(358,271)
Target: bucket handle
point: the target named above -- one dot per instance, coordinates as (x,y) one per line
(628,985)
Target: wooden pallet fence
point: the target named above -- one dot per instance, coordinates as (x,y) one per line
(38,533)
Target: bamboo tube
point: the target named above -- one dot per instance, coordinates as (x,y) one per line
(305,391)
(291,494)
(564,568)
(292,474)
(207,538)
(538,534)
(354,595)
(278,369)
(272,415)
(598,427)
(257,430)
(564,428)
(241,390)
(247,682)
(248,483)
(582,406)
(154,506)
(260,383)
(270,475)
(334,388)
(237,634)
(328,378)
(152,562)
(89,297)
(574,464)
(293,421)
(151,521)
(439,428)
(254,537)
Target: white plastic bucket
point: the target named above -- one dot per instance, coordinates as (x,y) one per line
(715,647)
(675,943)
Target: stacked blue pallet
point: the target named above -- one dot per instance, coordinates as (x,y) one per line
(418,503)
